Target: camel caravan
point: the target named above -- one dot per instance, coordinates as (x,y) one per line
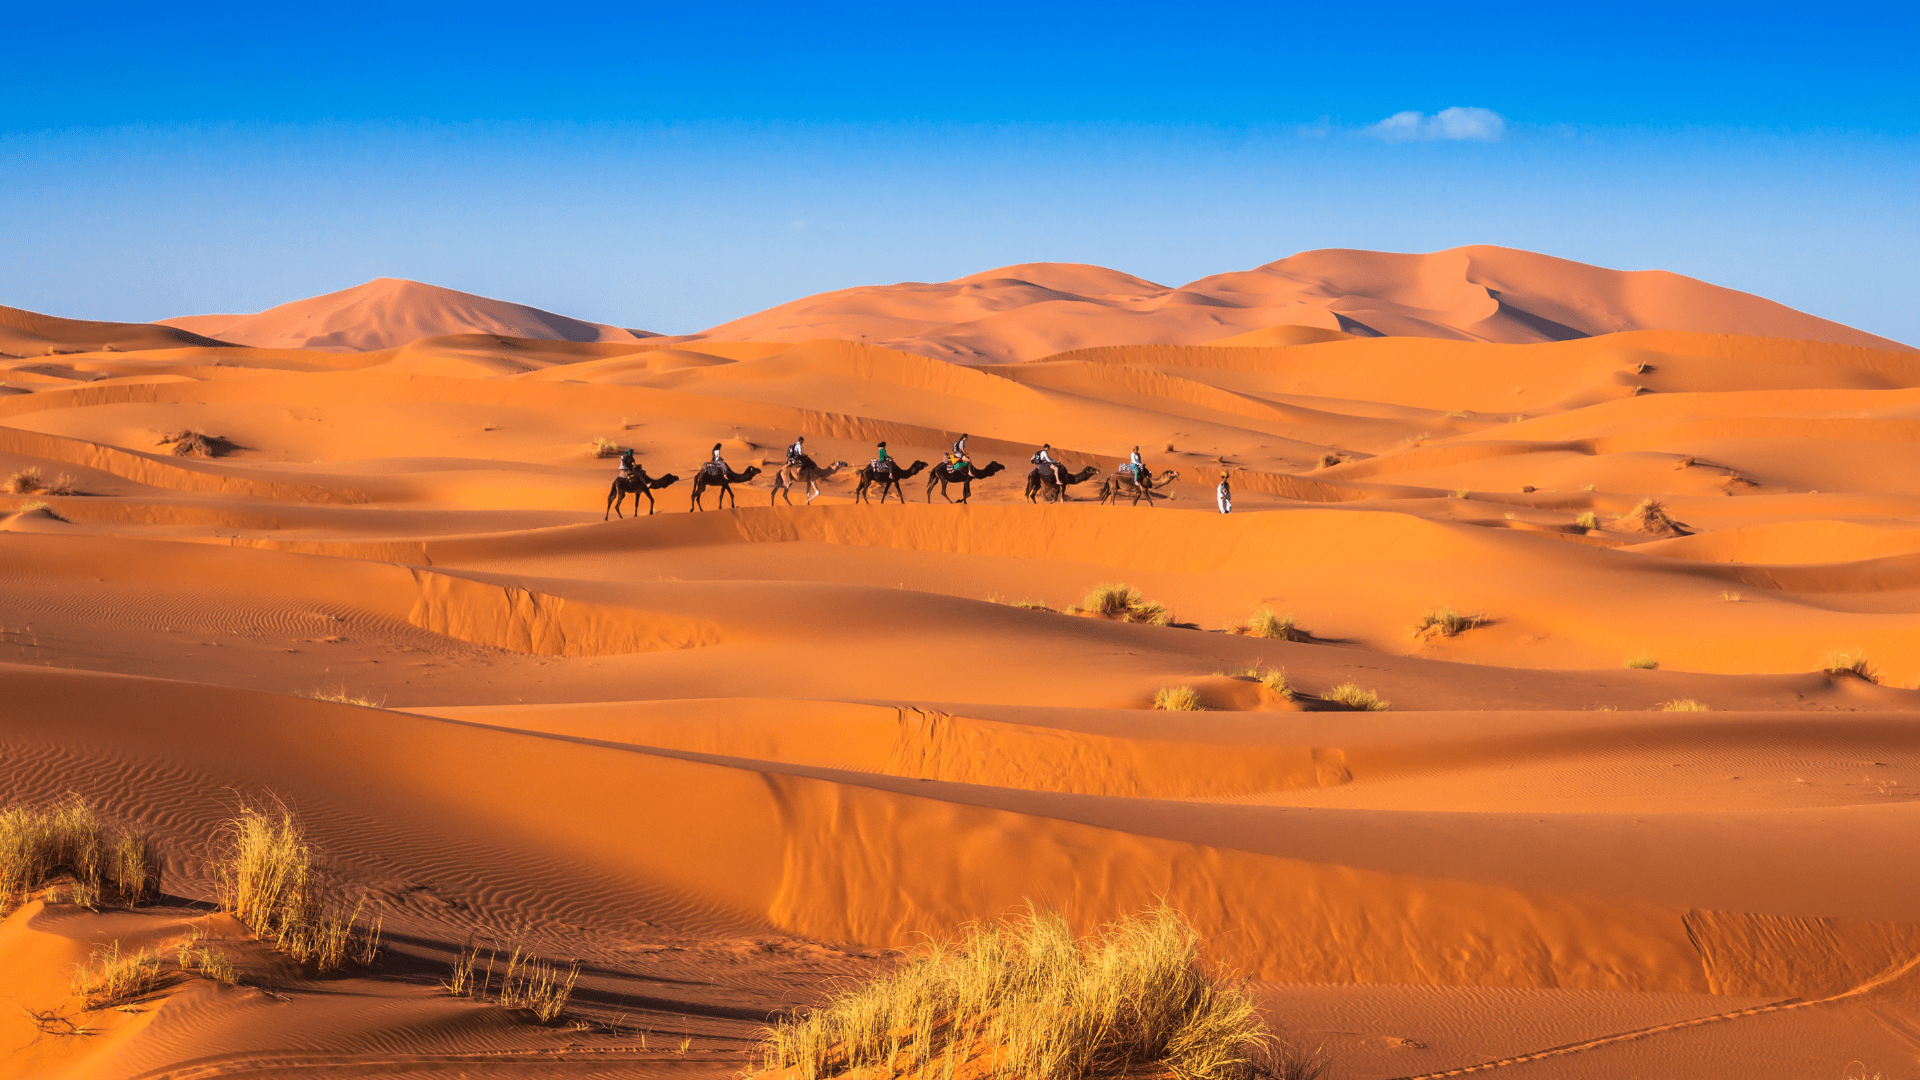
(1048,481)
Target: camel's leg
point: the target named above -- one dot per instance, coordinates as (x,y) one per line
(813,491)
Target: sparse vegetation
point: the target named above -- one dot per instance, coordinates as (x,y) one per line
(1587,520)
(1276,681)
(30,481)
(525,983)
(1169,448)
(1642,662)
(605,447)
(1445,623)
(1329,460)
(339,696)
(1133,1001)
(1457,493)
(1265,624)
(192,443)
(1841,665)
(1124,602)
(107,862)
(263,871)
(112,977)
(1729,596)
(1177,699)
(1651,516)
(44,508)
(1685,704)
(1030,605)
(1348,695)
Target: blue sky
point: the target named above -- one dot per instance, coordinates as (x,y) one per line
(671,167)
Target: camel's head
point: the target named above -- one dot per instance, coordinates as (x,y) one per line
(991,468)
(752,471)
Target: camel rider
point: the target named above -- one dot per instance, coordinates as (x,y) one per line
(718,463)
(1044,456)
(881,460)
(958,455)
(797,453)
(627,466)
(1135,467)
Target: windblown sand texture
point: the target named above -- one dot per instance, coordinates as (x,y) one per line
(727,760)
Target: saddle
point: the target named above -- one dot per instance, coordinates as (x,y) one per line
(804,461)
(714,471)
(881,468)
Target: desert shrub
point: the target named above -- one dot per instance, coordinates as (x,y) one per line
(1587,520)
(1685,704)
(1329,460)
(27,481)
(1855,665)
(1348,695)
(1121,601)
(605,447)
(1458,493)
(1642,662)
(107,862)
(264,873)
(1177,699)
(1265,624)
(1133,1001)
(1445,622)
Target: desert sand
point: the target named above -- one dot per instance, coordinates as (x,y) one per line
(729,760)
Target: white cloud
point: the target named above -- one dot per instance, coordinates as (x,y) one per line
(1459,123)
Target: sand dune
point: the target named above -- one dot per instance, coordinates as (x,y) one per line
(1642,817)
(388,312)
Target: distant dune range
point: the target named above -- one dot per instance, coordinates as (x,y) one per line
(1032,310)
(1646,816)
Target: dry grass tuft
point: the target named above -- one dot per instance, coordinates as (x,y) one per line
(1177,699)
(1133,1001)
(1124,602)
(1276,681)
(604,447)
(1841,665)
(30,481)
(1445,623)
(108,863)
(1651,517)
(1329,460)
(339,696)
(1685,704)
(1348,695)
(192,443)
(525,983)
(1642,662)
(264,874)
(111,977)
(1587,520)
(1265,624)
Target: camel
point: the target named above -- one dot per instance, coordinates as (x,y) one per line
(894,474)
(787,477)
(942,475)
(724,478)
(636,485)
(1122,484)
(1040,482)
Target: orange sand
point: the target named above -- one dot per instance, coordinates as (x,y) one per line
(727,759)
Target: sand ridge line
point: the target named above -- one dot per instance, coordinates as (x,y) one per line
(271,1064)
(1784,1005)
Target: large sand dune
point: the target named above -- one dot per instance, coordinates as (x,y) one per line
(727,759)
